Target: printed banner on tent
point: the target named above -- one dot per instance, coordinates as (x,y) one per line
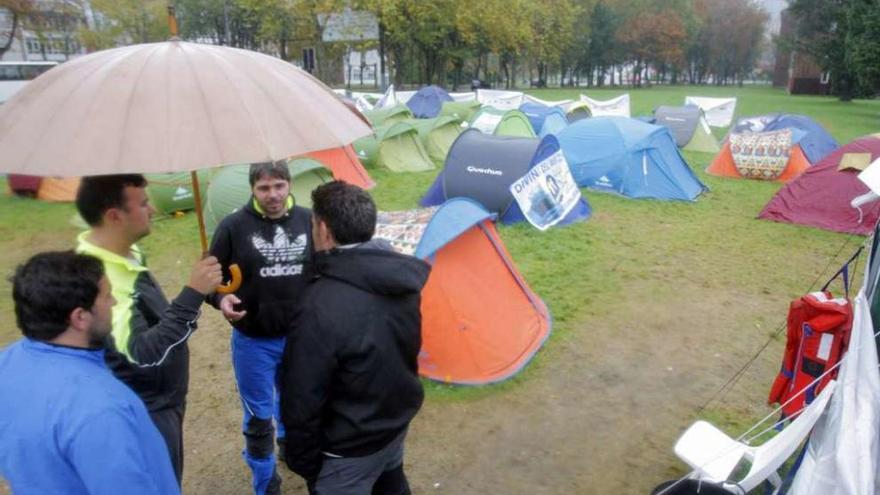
(547,193)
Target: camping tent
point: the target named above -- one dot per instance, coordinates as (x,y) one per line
(816,142)
(481,323)
(688,126)
(24,185)
(426,103)
(628,157)
(546,103)
(544,119)
(54,189)
(437,135)
(719,111)
(173,192)
(500,99)
(483,167)
(618,106)
(577,110)
(466,96)
(461,110)
(395,146)
(821,196)
(388,115)
(404,96)
(491,120)
(229,188)
(774,155)
(344,164)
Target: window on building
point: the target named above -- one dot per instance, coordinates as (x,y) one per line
(32,44)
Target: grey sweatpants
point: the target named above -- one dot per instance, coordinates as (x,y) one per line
(380,473)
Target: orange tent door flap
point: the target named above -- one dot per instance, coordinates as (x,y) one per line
(345,165)
(480,321)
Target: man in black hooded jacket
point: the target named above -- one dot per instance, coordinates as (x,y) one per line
(350,385)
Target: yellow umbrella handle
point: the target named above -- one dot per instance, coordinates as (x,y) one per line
(234,283)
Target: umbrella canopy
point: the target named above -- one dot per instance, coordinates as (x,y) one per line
(169,107)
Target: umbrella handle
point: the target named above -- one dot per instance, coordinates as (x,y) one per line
(234,282)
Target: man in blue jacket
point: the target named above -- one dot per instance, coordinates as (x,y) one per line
(67,425)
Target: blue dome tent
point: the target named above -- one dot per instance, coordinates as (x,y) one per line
(428,101)
(628,157)
(544,119)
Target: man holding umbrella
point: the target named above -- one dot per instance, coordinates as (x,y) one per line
(165,107)
(147,348)
(269,238)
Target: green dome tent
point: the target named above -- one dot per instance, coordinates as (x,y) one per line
(229,188)
(437,135)
(461,110)
(170,193)
(389,115)
(490,120)
(395,146)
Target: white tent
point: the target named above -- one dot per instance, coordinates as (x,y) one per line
(614,107)
(502,100)
(557,103)
(362,104)
(389,99)
(468,96)
(404,96)
(719,111)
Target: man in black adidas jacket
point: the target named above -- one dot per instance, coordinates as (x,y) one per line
(269,239)
(350,383)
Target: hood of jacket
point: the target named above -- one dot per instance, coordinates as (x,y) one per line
(373,268)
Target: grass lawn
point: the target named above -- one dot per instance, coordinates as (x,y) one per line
(648,298)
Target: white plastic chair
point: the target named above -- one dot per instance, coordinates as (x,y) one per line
(713,455)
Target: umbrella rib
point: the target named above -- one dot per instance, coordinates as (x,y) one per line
(54,112)
(237,94)
(120,146)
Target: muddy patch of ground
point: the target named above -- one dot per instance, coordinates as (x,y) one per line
(599,415)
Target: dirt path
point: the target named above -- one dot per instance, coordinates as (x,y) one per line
(599,415)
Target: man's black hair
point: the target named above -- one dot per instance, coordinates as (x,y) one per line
(275,170)
(47,287)
(97,194)
(348,211)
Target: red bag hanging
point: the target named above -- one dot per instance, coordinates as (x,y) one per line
(818,333)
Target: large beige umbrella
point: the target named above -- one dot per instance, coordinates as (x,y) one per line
(169,107)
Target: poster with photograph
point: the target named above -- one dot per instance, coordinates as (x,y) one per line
(547,193)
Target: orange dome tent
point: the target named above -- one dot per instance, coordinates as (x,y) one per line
(481,323)
(774,155)
(345,165)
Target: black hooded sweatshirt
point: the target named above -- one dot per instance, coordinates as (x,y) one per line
(350,380)
(273,255)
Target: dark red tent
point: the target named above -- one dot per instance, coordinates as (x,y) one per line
(821,196)
(25,185)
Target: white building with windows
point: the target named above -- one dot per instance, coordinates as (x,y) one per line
(57,43)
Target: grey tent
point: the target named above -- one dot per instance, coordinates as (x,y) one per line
(688,127)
